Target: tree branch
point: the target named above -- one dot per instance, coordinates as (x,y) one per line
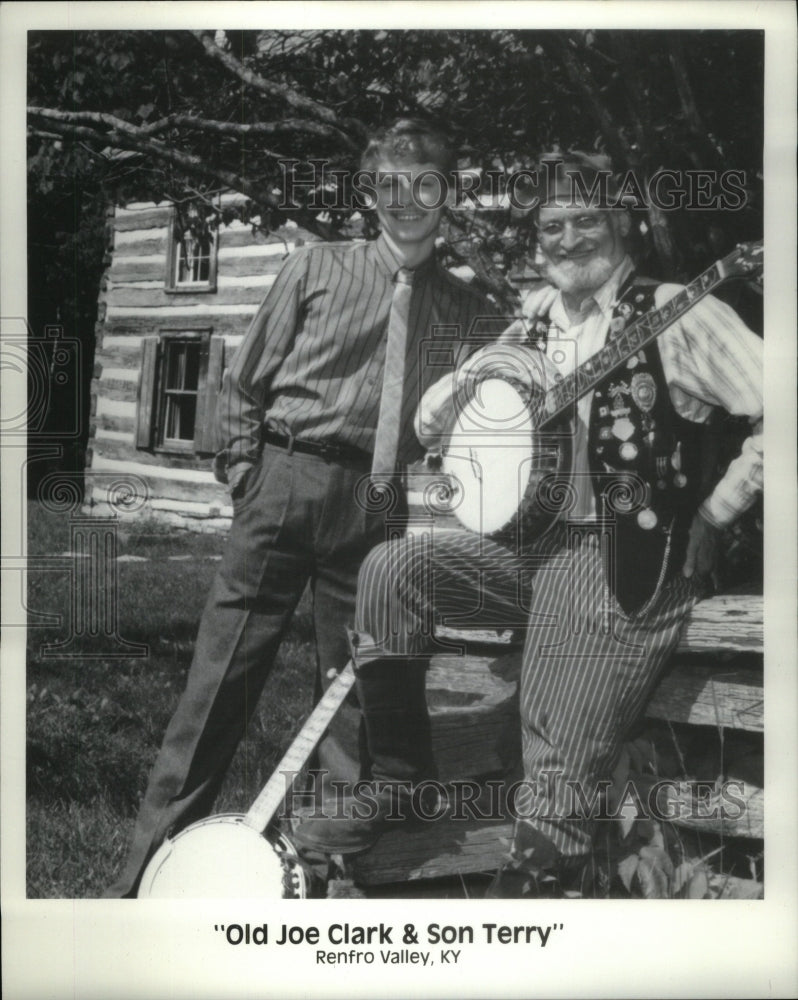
(148,131)
(289,125)
(191,165)
(62,122)
(297,102)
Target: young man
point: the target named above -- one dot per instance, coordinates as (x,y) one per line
(299,417)
(601,620)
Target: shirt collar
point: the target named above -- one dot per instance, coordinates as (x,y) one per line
(603,299)
(389,263)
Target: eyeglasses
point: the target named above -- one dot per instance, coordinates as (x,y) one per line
(583,225)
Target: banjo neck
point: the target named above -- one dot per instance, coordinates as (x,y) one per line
(745,260)
(274,791)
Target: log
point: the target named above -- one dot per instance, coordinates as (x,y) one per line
(447,847)
(710,696)
(131,295)
(725,623)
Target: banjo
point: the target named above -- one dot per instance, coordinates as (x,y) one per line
(229,855)
(508,458)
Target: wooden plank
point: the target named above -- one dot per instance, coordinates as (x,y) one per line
(445,847)
(143,218)
(149,241)
(154,268)
(151,268)
(710,696)
(115,450)
(128,357)
(436,850)
(124,391)
(237,236)
(224,325)
(168,488)
(725,622)
(130,295)
(111,422)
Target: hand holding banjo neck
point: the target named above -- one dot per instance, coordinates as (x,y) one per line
(508,458)
(228,856)
(744,261)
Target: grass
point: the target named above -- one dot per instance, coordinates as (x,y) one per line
(94,726)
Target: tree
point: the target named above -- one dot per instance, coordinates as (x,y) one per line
(199,111)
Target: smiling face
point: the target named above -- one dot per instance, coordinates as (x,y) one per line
(409,206)
(581,246)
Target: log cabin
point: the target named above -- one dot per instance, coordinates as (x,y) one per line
(175,303)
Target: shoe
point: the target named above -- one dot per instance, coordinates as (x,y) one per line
(513,882)
(358,820)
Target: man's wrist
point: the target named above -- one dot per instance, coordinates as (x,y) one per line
(708,517)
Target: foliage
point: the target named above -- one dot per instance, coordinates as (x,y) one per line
(167,114)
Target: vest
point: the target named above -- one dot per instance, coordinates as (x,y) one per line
(645,462)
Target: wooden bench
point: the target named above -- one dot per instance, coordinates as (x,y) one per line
(474,710)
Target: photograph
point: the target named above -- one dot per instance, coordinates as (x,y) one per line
(386,519)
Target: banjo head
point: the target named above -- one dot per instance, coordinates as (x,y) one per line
(488,458)
(222,858)
(505,475)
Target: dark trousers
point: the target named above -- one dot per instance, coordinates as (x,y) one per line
(297,522)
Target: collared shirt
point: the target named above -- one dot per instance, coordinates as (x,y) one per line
(312,361)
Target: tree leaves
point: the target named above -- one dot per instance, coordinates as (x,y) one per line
(647,97)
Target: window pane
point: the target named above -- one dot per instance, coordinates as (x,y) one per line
(191,370)
(180,389)
(181,415)
(193,259)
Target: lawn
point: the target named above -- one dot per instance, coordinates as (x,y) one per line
(94,725)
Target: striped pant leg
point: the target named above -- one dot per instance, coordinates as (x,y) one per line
(408,586)
(588,672)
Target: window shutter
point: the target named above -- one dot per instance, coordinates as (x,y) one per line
(146,395)
(211,366)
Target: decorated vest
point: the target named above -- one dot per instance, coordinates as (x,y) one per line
(645,462)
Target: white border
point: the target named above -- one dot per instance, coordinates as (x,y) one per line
(106,950)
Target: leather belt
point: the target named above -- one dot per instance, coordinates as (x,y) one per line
(329,451)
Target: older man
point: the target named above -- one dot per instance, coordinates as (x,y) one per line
(601,620)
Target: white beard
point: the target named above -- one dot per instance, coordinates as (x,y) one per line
(579,278)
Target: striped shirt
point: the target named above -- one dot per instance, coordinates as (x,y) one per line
(312,361)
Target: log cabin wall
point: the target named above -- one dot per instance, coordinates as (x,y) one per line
(169,325)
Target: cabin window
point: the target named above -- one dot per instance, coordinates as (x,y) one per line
(180,366)
(191,260)
(181,376)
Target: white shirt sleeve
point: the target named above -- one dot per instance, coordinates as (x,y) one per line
(710,358)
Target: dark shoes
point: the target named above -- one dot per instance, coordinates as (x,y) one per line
(355,822)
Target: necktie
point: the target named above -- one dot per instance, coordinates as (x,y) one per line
(389,422)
